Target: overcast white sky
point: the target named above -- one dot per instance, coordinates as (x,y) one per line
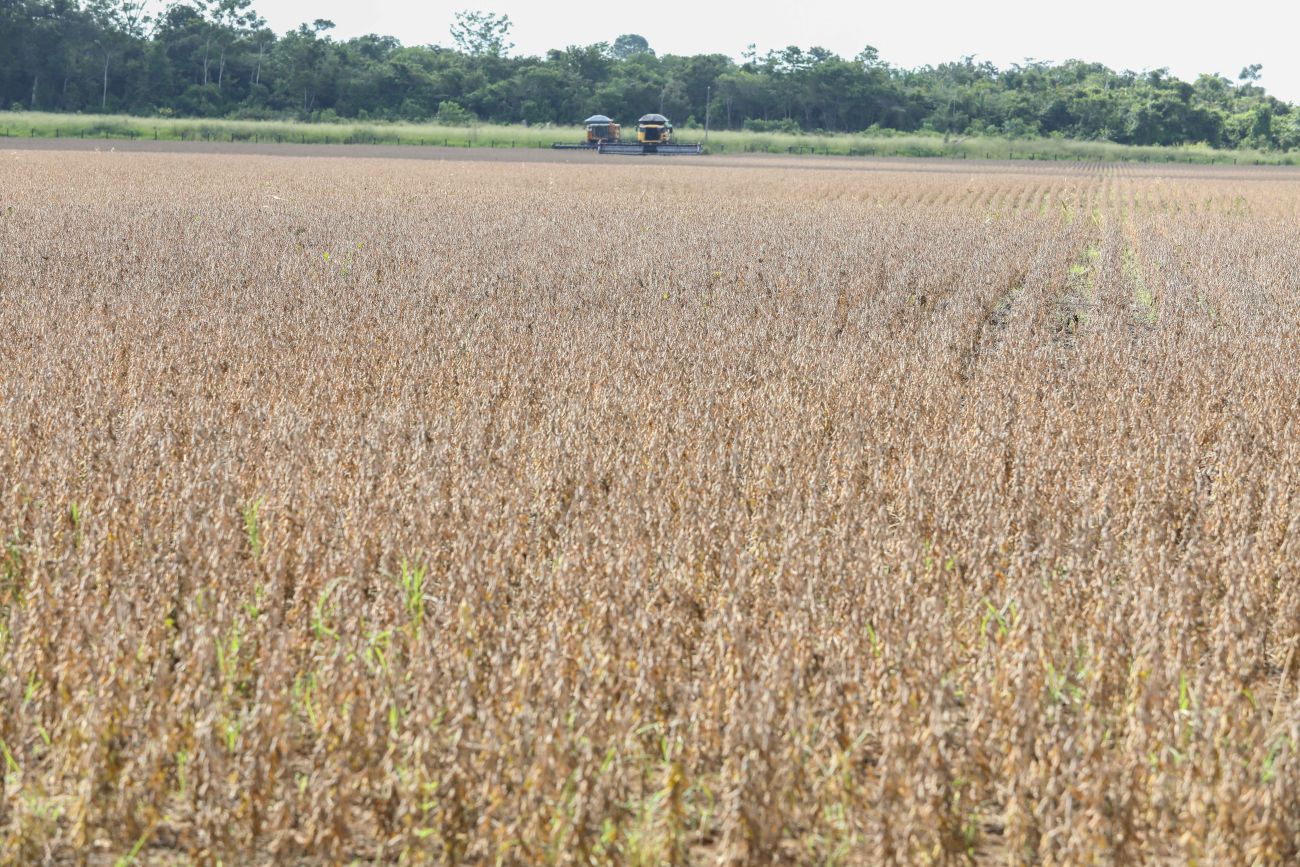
(1189,37)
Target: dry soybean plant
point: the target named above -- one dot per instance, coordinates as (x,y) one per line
(645,513)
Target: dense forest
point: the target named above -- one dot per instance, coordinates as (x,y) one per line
(217,58)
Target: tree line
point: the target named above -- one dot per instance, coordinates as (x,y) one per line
(218,58)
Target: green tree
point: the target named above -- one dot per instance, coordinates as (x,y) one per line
(630,43)
(217,57)
(482,33)
(118,22)
(305,61)
(233,22)
(673,99)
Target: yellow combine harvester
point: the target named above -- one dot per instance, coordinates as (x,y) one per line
(654,135)
(600,130)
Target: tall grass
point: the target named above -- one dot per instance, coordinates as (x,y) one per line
(44,125)
(179,129)
(982,147)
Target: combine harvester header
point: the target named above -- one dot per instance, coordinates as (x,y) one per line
(654,135)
